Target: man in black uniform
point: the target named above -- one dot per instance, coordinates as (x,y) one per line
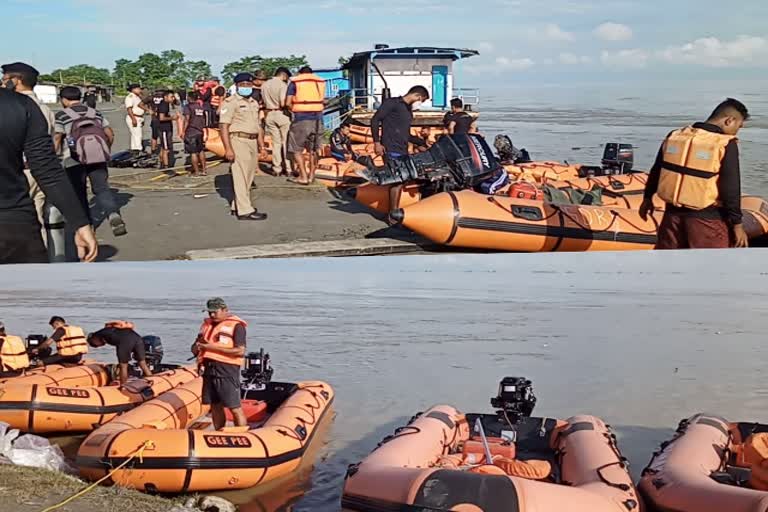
(127,343)
(458,121)
(90,98)
(341,144)
(391,131)
(165,128)
(24,132)
(157,99)
(197,117)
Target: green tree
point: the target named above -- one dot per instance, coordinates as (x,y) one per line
(126,72)
(266,64)
(79,74)
(188,72)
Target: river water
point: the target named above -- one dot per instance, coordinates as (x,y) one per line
(640,339)
(568,122)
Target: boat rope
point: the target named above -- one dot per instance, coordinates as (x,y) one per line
(138,453)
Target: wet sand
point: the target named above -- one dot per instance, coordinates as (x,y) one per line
(168,217)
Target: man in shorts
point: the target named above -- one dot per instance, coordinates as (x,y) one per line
(220,349)
(305,98)
(165,119)
(128,344)
(197,116)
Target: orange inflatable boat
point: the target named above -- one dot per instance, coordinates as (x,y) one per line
(89,373)
(472,220)
(711,465)
(184,454)
(509,461)
(43,407)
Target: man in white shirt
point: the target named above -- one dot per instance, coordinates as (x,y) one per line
(134,118)
(22,78)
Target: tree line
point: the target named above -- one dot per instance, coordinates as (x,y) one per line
(169,69)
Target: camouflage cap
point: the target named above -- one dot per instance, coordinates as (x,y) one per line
(215,304)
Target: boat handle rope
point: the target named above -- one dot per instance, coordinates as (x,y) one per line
(622,487)
(138,453)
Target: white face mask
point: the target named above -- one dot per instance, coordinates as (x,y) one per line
(416,105)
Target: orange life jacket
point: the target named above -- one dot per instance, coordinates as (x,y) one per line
(310,91)
(223,335)
(755,456)
(13,353)
(73,342)
(120,324)
(691,167)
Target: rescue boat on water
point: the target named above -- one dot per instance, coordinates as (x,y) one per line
(184,454)
(477,221)
(710,465)
(504,462)
(37,405)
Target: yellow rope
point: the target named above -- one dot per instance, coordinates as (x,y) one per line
(138,453)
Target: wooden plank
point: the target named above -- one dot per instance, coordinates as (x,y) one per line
(333,248)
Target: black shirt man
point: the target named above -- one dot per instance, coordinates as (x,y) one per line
(128,344)
(24,132)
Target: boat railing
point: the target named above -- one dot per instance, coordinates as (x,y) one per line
(469,96)
(365,99)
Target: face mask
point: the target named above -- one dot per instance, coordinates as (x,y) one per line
(245,91)
(10,85)
(416,105)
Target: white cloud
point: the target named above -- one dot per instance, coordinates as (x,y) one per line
(572,59)
(485,46)
(553,32)
(613,32)
(712,52)
(635,58)
(514,64)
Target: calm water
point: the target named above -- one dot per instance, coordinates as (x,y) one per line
(566,122)
(641,339)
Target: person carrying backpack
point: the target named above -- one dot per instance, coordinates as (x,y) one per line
(84,139)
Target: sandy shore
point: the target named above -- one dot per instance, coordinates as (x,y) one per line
(166,217)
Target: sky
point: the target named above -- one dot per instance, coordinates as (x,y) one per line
(518,40)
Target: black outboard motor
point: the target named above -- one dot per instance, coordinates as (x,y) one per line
(257,371)
(33,342)
(515,400)
(153,348)
(618,158)
(461,161)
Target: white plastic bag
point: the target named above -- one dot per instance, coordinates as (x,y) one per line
(33,451)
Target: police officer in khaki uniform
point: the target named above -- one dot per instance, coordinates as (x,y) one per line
(244,144)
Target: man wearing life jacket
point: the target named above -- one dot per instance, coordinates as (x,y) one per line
(220,348)
(306,99)
(127,342)
(70,342)
(697,174)
(13,355)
